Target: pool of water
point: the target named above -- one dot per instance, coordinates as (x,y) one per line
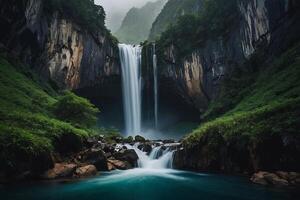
(149,184)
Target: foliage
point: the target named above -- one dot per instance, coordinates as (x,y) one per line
(76,110)
(251,87)
(170,13)
(216,19)
(28,127)
(255,103)
(85,12)
(275,118)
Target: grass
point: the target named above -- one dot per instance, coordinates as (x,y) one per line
(255,104)
(28,126)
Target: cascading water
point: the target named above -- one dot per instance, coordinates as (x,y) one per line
(155,87)
(161,157)
(130,57)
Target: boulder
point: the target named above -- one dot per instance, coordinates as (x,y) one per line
(128,155)
(60,170)
(267,178)
(259,178)
(110,166)
(145,147)
(94,157)
(283,175)
(294,176)
(139,138)
(128,139)
(273,179)
(118,164)
(86,171)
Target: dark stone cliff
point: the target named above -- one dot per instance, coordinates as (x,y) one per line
(57,47)
(196,78)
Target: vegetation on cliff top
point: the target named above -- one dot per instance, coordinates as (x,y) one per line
(263,101)
(191,31)
(170,13)
(85,12)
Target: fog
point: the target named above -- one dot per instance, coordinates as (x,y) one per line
(117,9)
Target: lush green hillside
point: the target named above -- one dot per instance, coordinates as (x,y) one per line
(138,21)
(36,120)
(258,102)
(170,13)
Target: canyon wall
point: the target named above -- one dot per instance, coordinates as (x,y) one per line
(58,47)
(197,77)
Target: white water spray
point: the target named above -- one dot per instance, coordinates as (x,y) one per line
(161,157)
(130,57)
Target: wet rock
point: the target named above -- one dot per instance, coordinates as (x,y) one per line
(139,138)
(60,170)
(273,179)
(86,171)
(279,178)
(94,157)
(259,178)
(145,147)
(128,155)
(118,164)
(168,141)
(110,166)
(128,140)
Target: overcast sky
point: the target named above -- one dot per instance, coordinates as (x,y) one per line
(117,9)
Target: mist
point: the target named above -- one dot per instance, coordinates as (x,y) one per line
(117,9)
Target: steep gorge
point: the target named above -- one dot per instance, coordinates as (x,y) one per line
(60,49)
(242,77)
(198,75)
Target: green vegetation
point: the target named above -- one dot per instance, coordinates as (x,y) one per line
(137,23)
(255,103)
(28,126)
(76,110)
(170,13)
(216,19)
(85,12)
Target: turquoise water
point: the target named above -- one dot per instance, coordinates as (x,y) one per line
(145,184)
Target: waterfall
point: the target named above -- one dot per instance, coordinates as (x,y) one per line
(155,87)
(130,57)
(161,157)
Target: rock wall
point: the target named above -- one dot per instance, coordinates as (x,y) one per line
(240,155)
(198,76)
(57,47)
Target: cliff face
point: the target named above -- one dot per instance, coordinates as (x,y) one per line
(198,76)
(58,48)
(171,12)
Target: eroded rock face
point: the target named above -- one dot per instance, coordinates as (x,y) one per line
(197,77)
(239,154)
(57,47)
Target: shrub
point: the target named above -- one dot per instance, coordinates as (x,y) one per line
(76,110)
